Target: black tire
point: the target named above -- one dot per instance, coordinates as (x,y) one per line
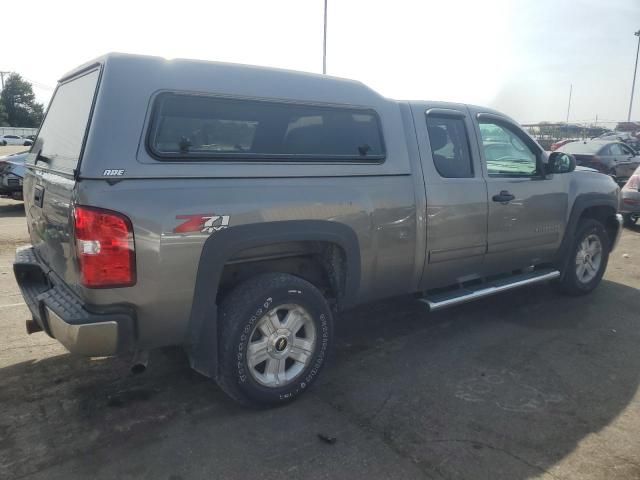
(570,284)
(238,316)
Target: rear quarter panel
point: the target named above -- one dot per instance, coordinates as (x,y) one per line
(379,209)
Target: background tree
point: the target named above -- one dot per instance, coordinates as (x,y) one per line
(4,120)
(19,103)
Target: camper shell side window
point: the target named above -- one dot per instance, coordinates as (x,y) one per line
(191,127)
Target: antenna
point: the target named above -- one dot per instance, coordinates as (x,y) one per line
(324,41)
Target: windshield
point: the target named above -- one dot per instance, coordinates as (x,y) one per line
(62,133)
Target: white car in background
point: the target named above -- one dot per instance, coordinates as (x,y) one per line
(15,140)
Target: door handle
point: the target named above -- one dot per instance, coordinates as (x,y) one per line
(503,197)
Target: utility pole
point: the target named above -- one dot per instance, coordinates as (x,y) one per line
(635,70)
(324,41)
(569,107)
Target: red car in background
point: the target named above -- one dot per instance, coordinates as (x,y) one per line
(560,143)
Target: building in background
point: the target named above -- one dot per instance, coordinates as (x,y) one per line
(23,132)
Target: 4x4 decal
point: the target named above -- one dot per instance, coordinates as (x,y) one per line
(201,223)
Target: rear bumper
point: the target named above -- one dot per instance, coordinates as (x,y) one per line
(82,329)
(629,202)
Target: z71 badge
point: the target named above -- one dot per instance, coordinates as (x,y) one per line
(201,223)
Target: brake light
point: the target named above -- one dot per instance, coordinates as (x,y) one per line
(633,183)
(105,248)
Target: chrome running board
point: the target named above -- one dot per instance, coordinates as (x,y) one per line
(439,301)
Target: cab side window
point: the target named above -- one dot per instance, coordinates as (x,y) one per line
(506,153)
(449,146)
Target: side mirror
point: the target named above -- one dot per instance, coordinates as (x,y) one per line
(560,162)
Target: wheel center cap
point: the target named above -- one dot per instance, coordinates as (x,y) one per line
(281,344)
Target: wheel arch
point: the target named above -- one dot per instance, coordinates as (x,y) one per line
(222,246)
(598,206)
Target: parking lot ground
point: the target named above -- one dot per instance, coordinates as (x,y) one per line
(9,149)
(529,384)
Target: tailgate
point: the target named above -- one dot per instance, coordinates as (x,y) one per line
(50,176)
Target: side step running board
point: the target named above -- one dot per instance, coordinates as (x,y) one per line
(462,295)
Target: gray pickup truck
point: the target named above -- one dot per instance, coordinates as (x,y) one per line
(236,210)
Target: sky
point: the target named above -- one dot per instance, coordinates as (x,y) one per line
(518,56)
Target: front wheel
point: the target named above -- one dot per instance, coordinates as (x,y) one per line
(275,334)
(588,259)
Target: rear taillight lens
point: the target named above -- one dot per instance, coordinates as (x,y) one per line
(105,248)
(633,183)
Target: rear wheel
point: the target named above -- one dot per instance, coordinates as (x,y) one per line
(588,258)
(275,332)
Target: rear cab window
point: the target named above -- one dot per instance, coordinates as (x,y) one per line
(450,146)
(191,127)
(61,137)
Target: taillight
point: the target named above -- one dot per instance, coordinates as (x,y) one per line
(633,183)
(105,248)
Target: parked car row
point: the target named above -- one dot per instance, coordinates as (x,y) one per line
(16,140)
(624,137)
(12,174)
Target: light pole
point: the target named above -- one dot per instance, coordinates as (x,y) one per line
(324,41)
(569,107)
(635,70)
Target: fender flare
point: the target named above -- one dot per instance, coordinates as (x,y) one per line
(222,245)
(580,204)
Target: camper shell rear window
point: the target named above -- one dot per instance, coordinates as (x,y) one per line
(199,127)
(60,140)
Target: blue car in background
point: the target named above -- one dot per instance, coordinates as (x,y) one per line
(11,175)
